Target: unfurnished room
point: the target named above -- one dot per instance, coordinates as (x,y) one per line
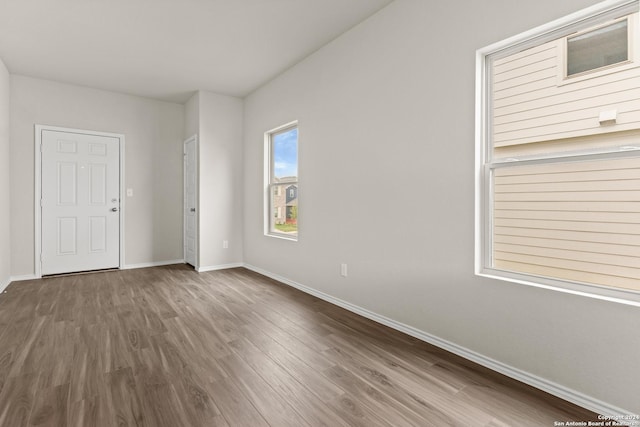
(319,213)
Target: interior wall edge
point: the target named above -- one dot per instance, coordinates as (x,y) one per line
(5,176)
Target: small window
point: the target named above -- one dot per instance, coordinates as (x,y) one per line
(281,156)
(598,48)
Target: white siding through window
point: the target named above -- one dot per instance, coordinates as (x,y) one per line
(577,221)
(532,103)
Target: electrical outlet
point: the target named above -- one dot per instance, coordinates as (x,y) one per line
(343,270)
(225,244)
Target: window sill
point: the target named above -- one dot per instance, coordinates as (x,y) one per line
(596,73)
(615,295)
(282,236)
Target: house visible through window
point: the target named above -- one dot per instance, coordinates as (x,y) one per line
(282,181)
(559,161)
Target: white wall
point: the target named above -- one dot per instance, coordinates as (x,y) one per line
(192,116)
(386,120)
(221,180)
(5,189)
(153,163)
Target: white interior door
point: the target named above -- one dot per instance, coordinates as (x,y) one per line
(190,201)
(80,202)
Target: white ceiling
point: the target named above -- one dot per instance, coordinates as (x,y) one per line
(167,49)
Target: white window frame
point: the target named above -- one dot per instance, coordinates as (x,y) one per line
(268,180)
(485,165)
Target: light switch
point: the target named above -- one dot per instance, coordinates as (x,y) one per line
(129,192)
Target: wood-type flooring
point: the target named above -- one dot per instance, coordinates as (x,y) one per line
(166,346)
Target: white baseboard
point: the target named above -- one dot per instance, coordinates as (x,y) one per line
(151,264)
(550,387)
(4,284)
(219,267)
(125,267)
(23,277)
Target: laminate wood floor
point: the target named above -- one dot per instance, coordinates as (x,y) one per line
(170,347)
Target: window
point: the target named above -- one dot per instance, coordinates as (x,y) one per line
(558,167)
(281,177)
(597,48)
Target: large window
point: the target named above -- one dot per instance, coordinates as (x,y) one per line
(558,162)
(281,199)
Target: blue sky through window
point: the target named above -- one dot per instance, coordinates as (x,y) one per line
(285,153)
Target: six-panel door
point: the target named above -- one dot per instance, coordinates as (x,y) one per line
(80,202)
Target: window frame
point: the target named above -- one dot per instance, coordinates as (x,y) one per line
(584,20)
(269,180)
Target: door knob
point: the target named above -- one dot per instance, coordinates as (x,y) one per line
(192,209)
(114,209)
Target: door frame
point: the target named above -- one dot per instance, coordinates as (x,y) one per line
(193,138)
(37,260)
